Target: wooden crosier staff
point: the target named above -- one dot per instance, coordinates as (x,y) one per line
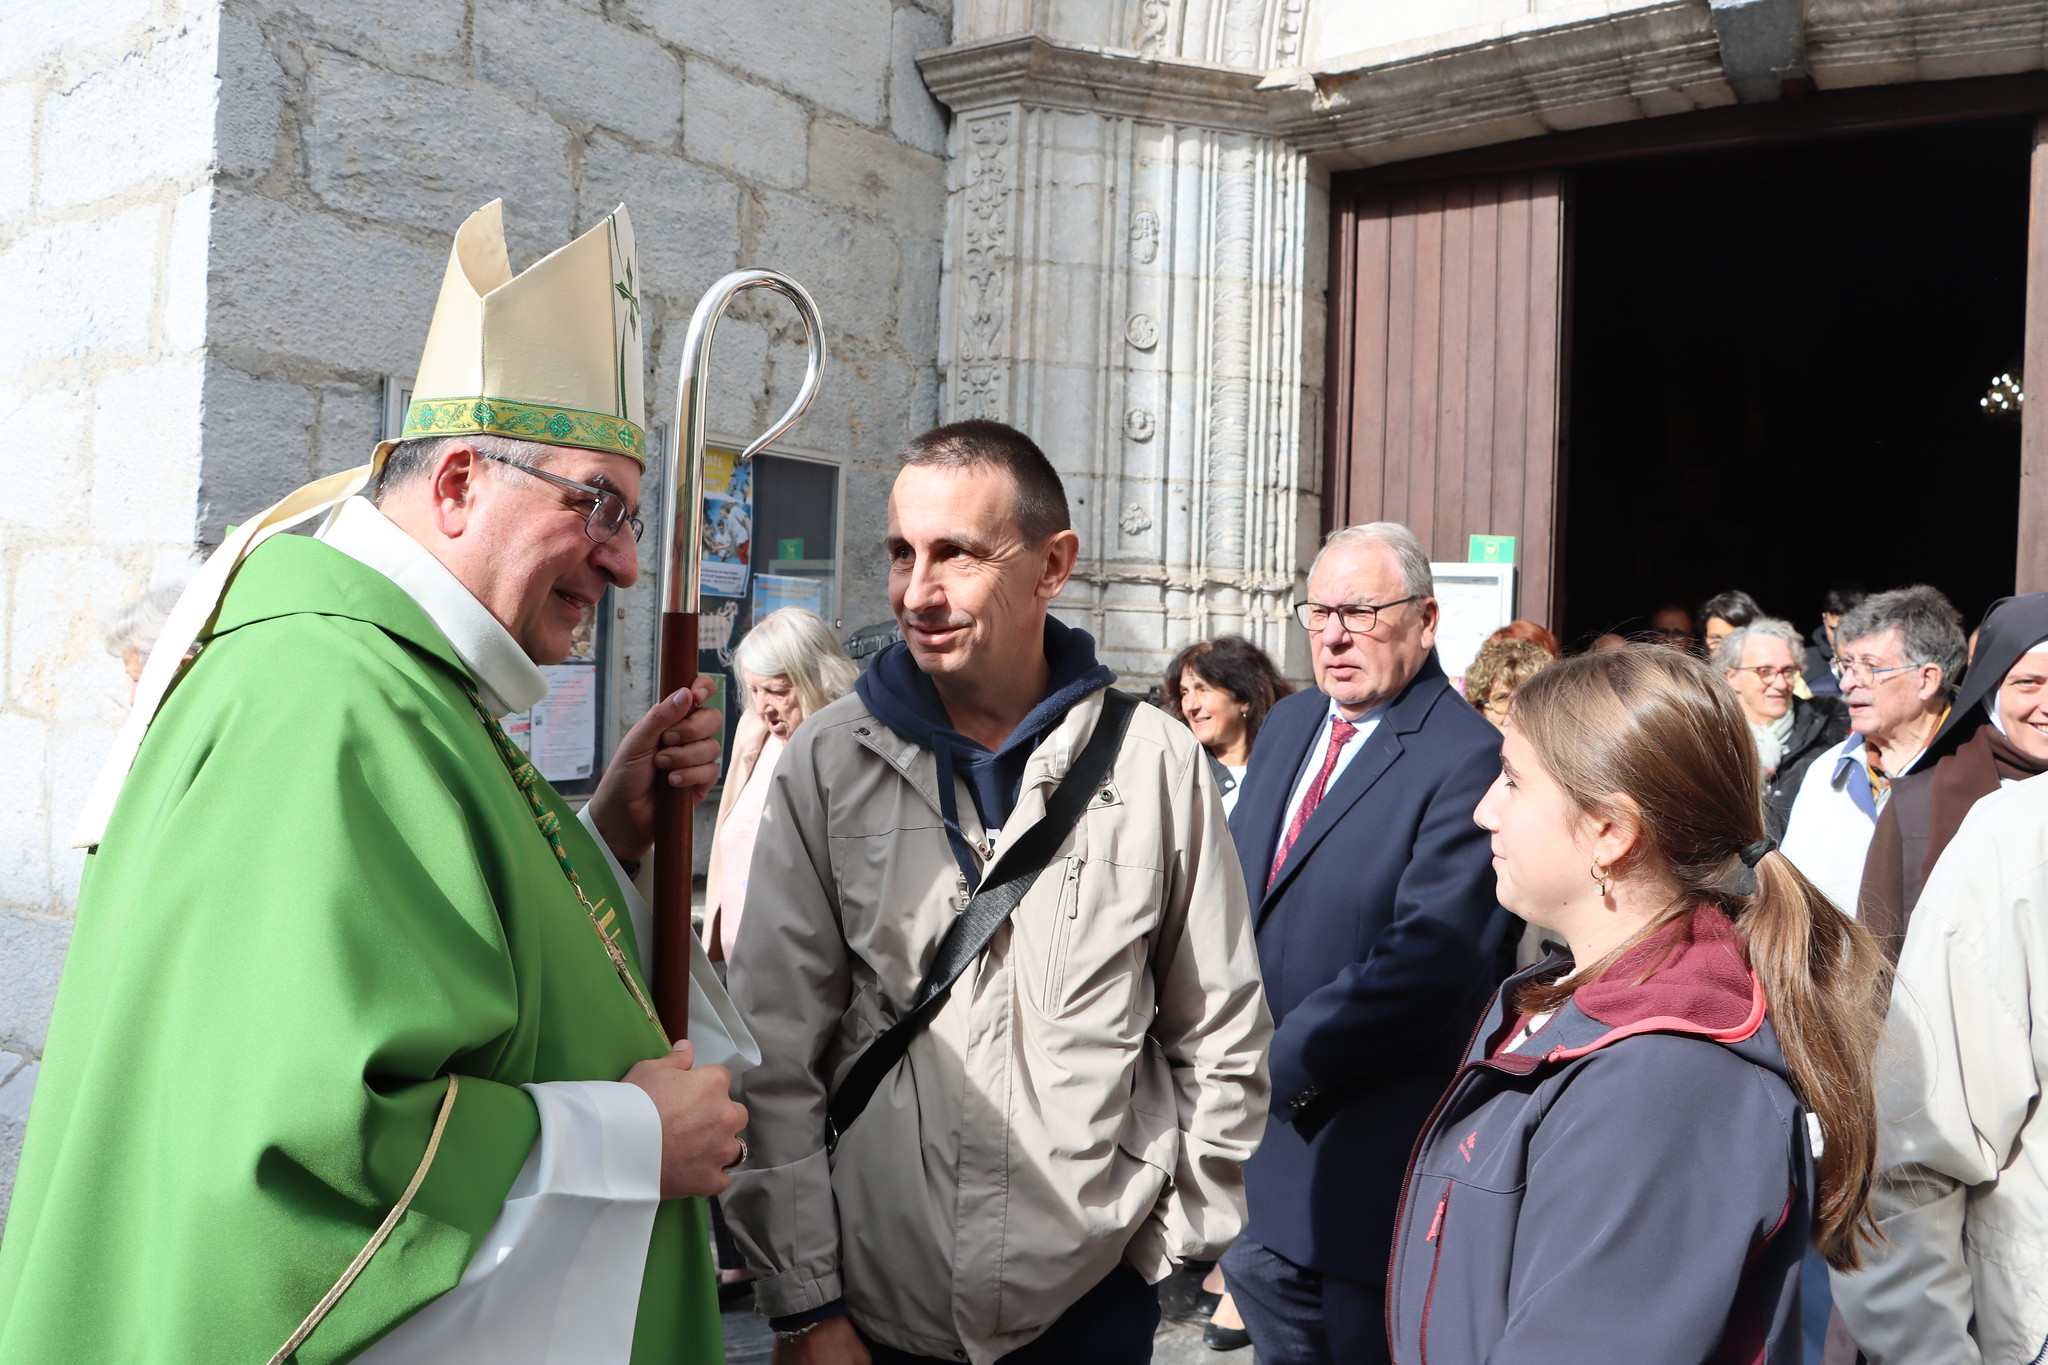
(682,584)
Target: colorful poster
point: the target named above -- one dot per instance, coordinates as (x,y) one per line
(772,592)
(728,545)
(718,465)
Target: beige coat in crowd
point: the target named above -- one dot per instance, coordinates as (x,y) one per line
(1963,1190)
(1089,1091)
(748,738)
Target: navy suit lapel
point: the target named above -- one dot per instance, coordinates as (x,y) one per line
(1404,717)
(1381,749)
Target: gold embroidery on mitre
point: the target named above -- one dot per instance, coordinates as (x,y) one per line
(475,415)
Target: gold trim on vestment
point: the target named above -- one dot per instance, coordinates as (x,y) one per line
(355,1267)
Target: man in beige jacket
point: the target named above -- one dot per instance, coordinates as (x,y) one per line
(1962,1191)
(1074,1119)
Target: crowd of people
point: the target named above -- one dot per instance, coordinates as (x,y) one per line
(1872,739)
(1547,1021)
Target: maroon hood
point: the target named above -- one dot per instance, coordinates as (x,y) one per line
(1689,977)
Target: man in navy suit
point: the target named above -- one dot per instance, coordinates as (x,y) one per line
(1378,931)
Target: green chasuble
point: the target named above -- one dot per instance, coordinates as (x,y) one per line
(320,894)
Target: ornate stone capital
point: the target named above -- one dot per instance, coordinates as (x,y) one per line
(1030,70)
(1124,265)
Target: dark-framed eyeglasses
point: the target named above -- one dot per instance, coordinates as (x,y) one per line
(1847,669)
(1360,618)
(1768,674)
(607,509)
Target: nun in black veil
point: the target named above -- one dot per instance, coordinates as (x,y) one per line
(1996,733)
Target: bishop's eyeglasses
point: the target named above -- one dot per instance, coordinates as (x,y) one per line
(607,509)
(1360,618)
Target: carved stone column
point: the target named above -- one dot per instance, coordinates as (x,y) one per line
(1125,258)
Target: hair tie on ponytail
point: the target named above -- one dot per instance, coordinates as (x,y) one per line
(1754,854)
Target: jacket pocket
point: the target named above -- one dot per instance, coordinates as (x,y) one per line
(1151,1142)
(1062,934)
(1152,1128)
(1450,1302)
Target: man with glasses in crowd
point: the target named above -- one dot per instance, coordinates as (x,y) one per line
(1898,657)
(1378,929)
(1760,660)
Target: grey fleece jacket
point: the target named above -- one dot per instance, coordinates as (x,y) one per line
(1634,1183)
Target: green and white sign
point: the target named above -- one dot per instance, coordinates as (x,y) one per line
(1491,550)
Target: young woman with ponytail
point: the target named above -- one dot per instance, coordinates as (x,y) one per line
(1650,1126)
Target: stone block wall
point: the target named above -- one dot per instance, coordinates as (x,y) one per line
(362,135)
(107,114)
(228,221)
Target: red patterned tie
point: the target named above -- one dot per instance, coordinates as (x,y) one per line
(1341,732)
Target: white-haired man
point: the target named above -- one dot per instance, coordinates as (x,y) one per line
(1377,924)
(1898,656)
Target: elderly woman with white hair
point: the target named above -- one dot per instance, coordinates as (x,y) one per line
(1762,662)
(792,667)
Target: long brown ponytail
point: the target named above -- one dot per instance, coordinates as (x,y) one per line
(1655,725)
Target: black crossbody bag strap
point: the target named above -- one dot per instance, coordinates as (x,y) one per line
(969,934)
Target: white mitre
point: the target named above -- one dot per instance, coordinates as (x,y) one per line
(552,355)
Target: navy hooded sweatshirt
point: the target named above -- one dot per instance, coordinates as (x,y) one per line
(899,695)
(1634,1183)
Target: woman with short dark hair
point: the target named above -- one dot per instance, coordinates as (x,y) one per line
(1222,689)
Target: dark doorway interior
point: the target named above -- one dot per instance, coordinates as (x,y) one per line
(1777,354)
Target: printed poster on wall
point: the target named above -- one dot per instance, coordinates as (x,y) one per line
(560,732)
(1473,601)
(728,523)
(772,592)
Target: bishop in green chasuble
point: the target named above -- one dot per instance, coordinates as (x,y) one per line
(323,902)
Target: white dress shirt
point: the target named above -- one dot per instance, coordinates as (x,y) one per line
(556,1280)
(1833,819)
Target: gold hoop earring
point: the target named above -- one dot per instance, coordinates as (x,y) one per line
(1600,878)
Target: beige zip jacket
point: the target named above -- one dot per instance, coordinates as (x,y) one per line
(1087,1094)
(1963,1183)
